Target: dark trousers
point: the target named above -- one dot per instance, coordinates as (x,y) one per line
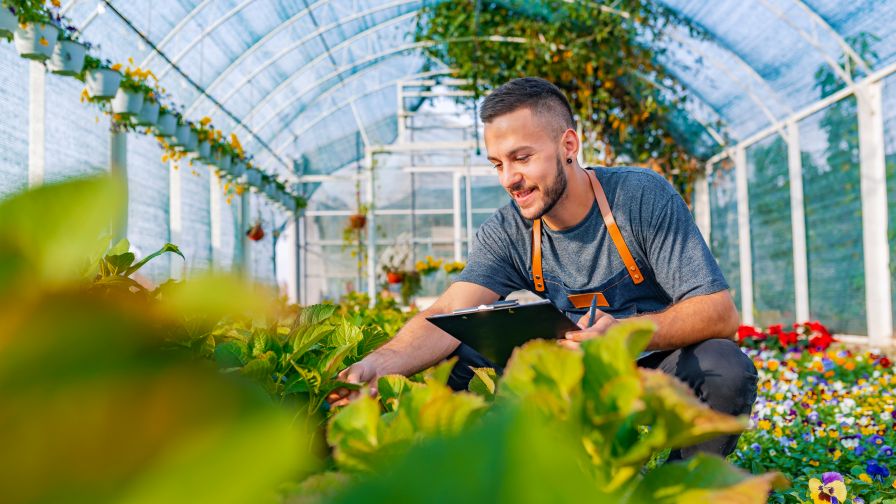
(716,370)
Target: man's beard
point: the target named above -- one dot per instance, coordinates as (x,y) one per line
(552,193)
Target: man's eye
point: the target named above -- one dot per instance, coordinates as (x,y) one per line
(524,158)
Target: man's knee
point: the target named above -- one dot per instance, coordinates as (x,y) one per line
(726,376)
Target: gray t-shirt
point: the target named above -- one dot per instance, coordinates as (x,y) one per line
(658,229)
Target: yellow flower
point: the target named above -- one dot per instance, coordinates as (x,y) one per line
(43,41)
(864,477)
(205,121)
(813,463)
(773,365)
(116,67)
(56,3)
(837,454)
(822,493)
(765,424)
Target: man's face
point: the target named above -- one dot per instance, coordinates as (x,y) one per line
(528,161)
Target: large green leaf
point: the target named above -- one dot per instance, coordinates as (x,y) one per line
(315,314)
(168,247)
(49,233)
(546,374)
(705,479)
(675,417)
(484,383)
(514,456)
(231,354)
(352,432)
(391,388)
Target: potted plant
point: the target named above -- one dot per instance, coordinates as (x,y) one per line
(454,267)
(181,134)
(69,53)
(101,78)
(166,125)
(256,232)
(358,220)
(395,259)
(8,20)
(37,30)
(133,90)
(428,266)
(151,110)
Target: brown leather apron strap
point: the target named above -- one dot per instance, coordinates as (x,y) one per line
(613,229)
(536,256)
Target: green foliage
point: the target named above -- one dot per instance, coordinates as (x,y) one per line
(604,417)
(603,58)
(95,409)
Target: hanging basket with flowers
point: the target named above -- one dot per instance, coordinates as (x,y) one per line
(166,125)
(8,21)
(135,87)
(256,232)
(101,78)
(70,52)
(36,40)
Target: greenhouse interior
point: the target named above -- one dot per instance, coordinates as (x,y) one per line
(235,236)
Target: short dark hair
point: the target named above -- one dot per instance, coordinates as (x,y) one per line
(536,94)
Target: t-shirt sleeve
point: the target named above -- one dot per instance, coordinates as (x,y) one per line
(489,264)
(682,262)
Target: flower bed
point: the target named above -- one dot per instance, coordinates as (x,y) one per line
(824,416)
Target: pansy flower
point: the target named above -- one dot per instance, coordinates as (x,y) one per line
(830,489)
(877,471)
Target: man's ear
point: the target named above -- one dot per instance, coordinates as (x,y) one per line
(569,144)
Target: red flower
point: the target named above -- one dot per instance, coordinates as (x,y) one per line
(885,362)
(745,331)
(787,339)
(820,343)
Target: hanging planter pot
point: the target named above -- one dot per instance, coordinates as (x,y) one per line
(205,151)
(127,102)
(8,22)
(238,169)
(36,41)
(289,202)
(253,176)
(68,58)
(149,114)
(256,232)
(271,190)
(394,277)
(357,221)
(181,136)
(166,126)
(223,161)
(102,83)
(192,144)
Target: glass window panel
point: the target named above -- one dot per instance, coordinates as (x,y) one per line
(889,100)
(148,215)
(724,241)
(13,121)
(830,156)
(771,232)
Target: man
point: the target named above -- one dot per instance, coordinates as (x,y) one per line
(623,235)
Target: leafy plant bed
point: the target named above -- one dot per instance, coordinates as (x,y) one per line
(822,408)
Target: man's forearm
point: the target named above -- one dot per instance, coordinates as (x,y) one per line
(417,346)
(694,320)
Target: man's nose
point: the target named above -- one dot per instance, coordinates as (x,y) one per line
(510,178)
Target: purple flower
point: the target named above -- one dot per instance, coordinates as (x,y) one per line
(756,447)
(829,477)
(860,449)
(813,417)
(858,500)
(885,451)
(827,363)
(875,439)
(877,471)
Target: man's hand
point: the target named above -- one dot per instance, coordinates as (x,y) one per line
(602,322)
(361,373)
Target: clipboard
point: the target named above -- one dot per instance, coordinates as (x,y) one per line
(495,330)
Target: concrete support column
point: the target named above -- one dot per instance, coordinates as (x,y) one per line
(457,217)
(245,265)
(701,204)
(371,226)
(175,217)
(37,106)
(743,235)
(878,302)
(216,212)
(118,167)
(798,223)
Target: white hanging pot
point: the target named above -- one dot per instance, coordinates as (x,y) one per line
(102,83)
(68,58)
(181,135)
(253,177)
(223,161)
(192,144)
(36,40)
(149,113)
(8,22)
(166,125)
(205,151)
(238,169)
(271,191)
(127,103)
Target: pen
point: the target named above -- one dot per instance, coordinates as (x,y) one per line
(591,311)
